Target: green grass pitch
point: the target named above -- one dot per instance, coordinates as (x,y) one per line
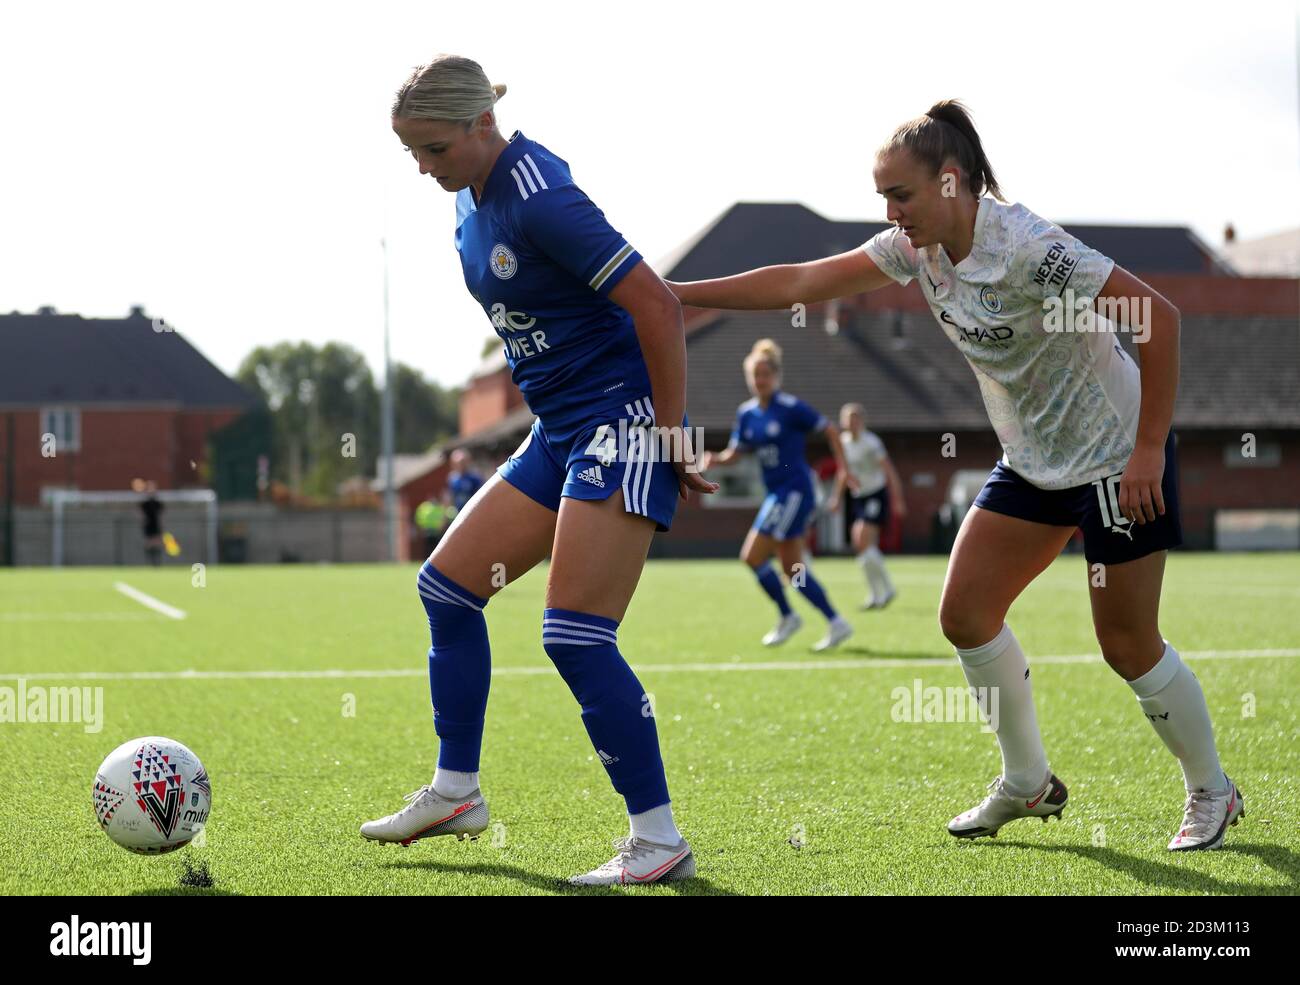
(792,777)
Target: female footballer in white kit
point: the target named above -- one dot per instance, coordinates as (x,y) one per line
(1086,440)
(879,494)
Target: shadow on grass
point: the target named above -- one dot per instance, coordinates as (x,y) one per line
(687,887)
(1171,875)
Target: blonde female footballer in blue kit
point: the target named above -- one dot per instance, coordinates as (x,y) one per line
(595,342)
(1086,440)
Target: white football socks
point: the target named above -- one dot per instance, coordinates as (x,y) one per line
(1000,663)
(656,825)
(1172,699)
(873,584)
(453,785)
(873,563)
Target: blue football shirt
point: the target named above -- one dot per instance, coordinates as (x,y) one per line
(541,259)
(778,435)
(463,486)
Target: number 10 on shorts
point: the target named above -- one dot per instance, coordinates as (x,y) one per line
(1108,503)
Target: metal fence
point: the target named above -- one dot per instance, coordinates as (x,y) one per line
(247,533)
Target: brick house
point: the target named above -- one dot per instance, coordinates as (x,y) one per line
(93,403)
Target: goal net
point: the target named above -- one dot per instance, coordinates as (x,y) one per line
(108,527)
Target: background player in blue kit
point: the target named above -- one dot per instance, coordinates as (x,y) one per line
(594,340)
(776,426)
(462,482)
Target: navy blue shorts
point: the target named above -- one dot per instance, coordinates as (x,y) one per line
(871,508)
(1108,538)
(784,513)
(604,455)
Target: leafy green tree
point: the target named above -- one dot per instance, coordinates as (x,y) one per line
(319,396)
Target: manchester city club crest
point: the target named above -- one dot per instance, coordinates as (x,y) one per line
(503,261)
(989,298)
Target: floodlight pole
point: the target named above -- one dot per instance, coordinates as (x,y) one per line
(390,494)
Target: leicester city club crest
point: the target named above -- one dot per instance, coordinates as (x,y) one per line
(503,261)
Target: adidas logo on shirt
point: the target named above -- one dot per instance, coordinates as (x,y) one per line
(593,475)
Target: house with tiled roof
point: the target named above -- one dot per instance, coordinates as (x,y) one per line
(94,403)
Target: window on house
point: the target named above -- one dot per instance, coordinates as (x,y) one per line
(1266,455)
(65,424)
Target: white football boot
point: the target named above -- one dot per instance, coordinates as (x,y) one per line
(1206,818)
(840,630)
(427,815)
(1001,806)
(787,627)
(638,861)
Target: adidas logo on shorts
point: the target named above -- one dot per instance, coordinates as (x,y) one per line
(593,475)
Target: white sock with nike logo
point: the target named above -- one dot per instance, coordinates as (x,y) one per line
(1172,699)
(1001,664)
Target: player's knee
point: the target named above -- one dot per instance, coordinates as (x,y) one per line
(966,627)
(1129,651)
(451,607)
(584,649)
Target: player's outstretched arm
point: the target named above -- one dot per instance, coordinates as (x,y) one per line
(713,459)
(786,284)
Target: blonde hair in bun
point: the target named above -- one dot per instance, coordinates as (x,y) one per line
(764,351)
(450,88)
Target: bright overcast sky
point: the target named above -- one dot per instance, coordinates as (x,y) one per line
(230,166)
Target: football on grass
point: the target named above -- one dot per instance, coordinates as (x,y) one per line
(152,795)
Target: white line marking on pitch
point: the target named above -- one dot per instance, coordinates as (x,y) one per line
(73,616)
(857,664)
(148,600)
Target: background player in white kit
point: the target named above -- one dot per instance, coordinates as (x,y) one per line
(879,494)
(1086,440)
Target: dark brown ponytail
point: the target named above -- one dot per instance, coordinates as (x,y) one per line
(946,132)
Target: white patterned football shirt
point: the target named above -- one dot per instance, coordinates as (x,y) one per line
(1063,404)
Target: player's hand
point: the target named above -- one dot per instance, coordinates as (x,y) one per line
(1140,497)
(691,479)
(677,443)
(851,482)
(900,509)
